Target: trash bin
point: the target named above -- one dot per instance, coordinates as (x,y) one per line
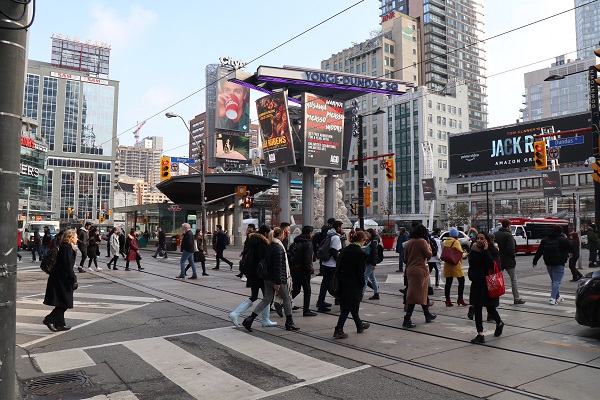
(171,243)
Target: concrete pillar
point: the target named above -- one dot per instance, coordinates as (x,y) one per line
(284,196)
(238,216)
(308,196)
(329,196)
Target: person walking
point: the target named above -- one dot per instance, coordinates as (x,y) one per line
(122,241)
(254,251)
(351,275)
(46,239)
(187,251)
(593,245)
(329,264)
(303,269)
(221,240)
(133,252)
(114,248)
(507,248)
(574,256)
(93,248)
(61,283)
(199,255)
(83,239)
(36,247)
(417,252)
(250,229)
(402,238)
(278,280)
(161,246)
(481,261)
(371,252)
(452,271)
(554,249)
(435,261)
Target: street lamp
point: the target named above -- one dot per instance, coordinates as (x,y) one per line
(202,184)
(360,165)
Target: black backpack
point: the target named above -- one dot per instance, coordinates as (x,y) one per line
(379,253)
(324,250)
(294,255)
(551,254)
(434,246)
(49,260)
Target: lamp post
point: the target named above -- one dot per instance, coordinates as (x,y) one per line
(202,183)
(360,165)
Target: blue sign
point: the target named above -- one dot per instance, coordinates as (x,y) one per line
(183,160)
(566,141)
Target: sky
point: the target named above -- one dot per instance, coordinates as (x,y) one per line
(159,49)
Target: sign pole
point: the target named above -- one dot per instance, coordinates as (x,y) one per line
(595,114)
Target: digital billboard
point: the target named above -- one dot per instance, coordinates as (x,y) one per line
(233,104)
(428,185)
(323,131)
(232,147)
(511,146)
(273,118)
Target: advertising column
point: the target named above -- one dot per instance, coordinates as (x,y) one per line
(273,117)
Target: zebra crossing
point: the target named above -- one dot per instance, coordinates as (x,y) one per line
(198,377)
(87,308)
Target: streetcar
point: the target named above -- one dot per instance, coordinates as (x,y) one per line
(529,232)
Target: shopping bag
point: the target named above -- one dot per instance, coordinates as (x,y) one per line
(451,255)
(495,282)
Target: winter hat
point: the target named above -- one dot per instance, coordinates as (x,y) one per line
(453,232)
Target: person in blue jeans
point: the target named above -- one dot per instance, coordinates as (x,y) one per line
(187,251)
(370,250)
(555,249)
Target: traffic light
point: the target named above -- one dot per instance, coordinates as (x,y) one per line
(247,202)
(165,168)
(101,219)
(390,170)
(109,211)
(367,196)
(354,208)
(69,210)
(539,154)
(596,167)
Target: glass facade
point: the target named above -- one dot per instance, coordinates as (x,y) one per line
(569,95)
(587,29)
(97,119)
(85,195)
(48,122)
(67,190)
(31,98)
(71,117)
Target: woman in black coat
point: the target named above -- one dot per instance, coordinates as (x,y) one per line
(61,283)
(351,273)
(94,248)
(481,261)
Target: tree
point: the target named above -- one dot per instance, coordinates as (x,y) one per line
(458,214)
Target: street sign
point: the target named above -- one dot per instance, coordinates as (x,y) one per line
(553,153)
(566,141)
(174,167)
(174,207)
(183,160)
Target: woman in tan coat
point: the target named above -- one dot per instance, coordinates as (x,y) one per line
(454,270)
(416,253)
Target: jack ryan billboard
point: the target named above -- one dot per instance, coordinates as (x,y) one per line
(511,146)
(323,131)
(274,121)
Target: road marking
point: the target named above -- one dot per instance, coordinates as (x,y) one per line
(63,360)
(301,366)
(125,395)
(87,316)
(31,329)
(197,377)
(77,304)
(135,299)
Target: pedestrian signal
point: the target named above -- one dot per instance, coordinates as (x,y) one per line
(539,154)
(247,202)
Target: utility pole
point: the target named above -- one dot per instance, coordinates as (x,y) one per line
(13,53)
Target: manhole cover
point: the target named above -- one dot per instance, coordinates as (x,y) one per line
(57,383)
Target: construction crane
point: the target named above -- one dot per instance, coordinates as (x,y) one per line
(136,133)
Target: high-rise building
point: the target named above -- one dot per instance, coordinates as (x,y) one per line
(587,26)
(142,161)
(450,35)
(76,114)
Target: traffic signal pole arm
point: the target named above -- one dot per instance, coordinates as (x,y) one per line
(373,157)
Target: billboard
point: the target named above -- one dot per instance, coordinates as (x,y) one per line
(232,147)
(428,186)
(273,118)
(87,57)
(511,146)
(323,131)
(233,104)
(551,183)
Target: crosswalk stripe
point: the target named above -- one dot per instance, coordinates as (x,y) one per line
(197,377)
(31,329)
(282,358)
(134,299)
(125,395)
(86,316)
(77,304)
(63,360)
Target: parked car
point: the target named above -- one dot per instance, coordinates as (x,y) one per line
(462,238)
(587,300)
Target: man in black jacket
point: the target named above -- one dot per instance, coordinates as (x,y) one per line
(221,241)
(508,250)
(161,248)
(555,249)
(83,238)
(303,268)
(187,251)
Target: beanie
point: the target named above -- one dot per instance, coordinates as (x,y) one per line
(453,232)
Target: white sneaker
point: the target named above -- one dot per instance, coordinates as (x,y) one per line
(244,279)
(552,302)
(98,269)
(559,299)
(90,268)
(438,287)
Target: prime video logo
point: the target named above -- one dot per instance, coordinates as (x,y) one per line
(469,157)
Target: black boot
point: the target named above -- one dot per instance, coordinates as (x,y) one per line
(407,322)
(339,334)
(289,324)
(248,321)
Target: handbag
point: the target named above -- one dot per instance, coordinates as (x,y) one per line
(262,269)
(495,282)
(451,255)
(334,285)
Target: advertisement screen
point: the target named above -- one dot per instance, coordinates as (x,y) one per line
(232,147)
(323,132)
(233,104)
(551,183)
(273,118)
(511,146)
(428,186)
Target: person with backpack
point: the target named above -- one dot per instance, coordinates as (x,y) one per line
(318,238)
(435,261)
(402,238)
(62,282)
(300,256)
(329,252)
(554,249)
(507,248)
(372,251)
(255,248)
(221,241)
